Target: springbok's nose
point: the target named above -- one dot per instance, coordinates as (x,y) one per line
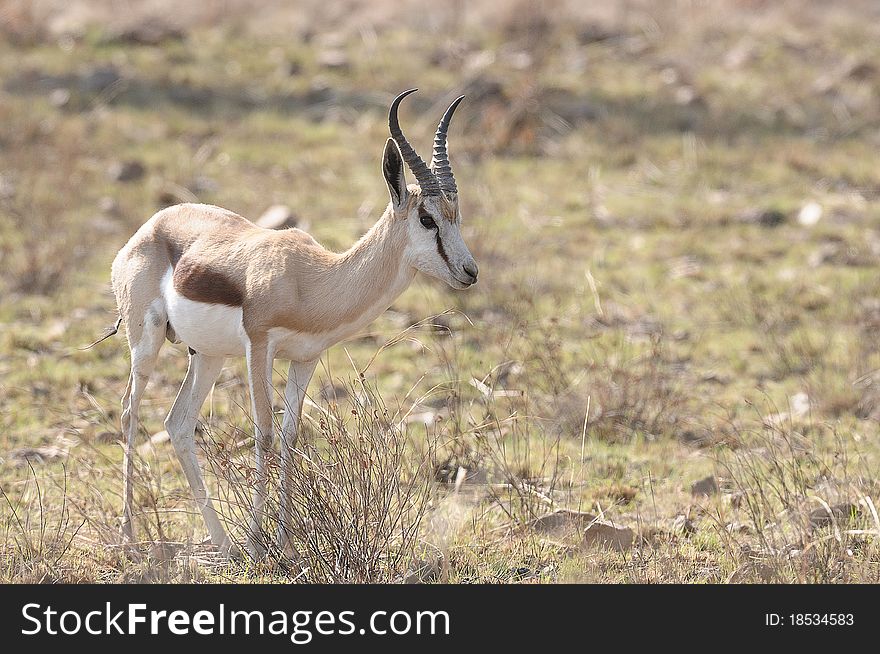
(472,270)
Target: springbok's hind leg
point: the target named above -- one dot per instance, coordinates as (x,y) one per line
(144,352)
(127,527)
(181,425)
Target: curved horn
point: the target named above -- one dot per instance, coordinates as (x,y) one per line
(440,159)
(426,179)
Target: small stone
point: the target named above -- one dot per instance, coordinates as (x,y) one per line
(520,60)
(278,216)
(607,535)
(150,31)
(293,68)
(126,171)
(59,98)
(696,437)
(825,253)
(333,59)
(562,519)
(751,570)
(771,218)
(686,96)
(763,217)
(810,214)
(162,552)
(707,486)
(596,532)
(505,371)
(840,513)
(35,455)
(104,224)
(737,528)
(669,75)
(863,70)
(800,404)
(735,499)
(739,55)
(107,436)
(423,572)
(594,33)
(108,205)
(96,79)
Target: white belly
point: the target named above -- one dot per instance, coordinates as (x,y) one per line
(212,329)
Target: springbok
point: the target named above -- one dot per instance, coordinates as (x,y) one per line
(208,278)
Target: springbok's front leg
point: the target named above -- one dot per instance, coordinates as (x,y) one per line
(298,376)
(259,365)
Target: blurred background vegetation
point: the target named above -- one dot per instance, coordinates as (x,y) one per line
(674,206)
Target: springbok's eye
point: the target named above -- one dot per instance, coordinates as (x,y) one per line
(427,221)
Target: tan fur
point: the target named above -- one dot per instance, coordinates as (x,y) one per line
(279,278)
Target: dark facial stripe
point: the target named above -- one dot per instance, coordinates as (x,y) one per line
(440,248)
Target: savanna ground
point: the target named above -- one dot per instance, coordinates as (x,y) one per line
(674,206)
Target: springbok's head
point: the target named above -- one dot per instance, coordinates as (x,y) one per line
(429,210)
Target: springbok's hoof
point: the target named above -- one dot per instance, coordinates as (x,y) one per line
(232,552)
(256,551)
(226,549)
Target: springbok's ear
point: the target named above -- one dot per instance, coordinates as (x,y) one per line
(392,169)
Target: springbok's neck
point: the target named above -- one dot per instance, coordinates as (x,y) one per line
(363,281)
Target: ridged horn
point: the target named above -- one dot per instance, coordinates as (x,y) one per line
(440,159)
(426,179)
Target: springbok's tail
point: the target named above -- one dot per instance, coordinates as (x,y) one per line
(110,332)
